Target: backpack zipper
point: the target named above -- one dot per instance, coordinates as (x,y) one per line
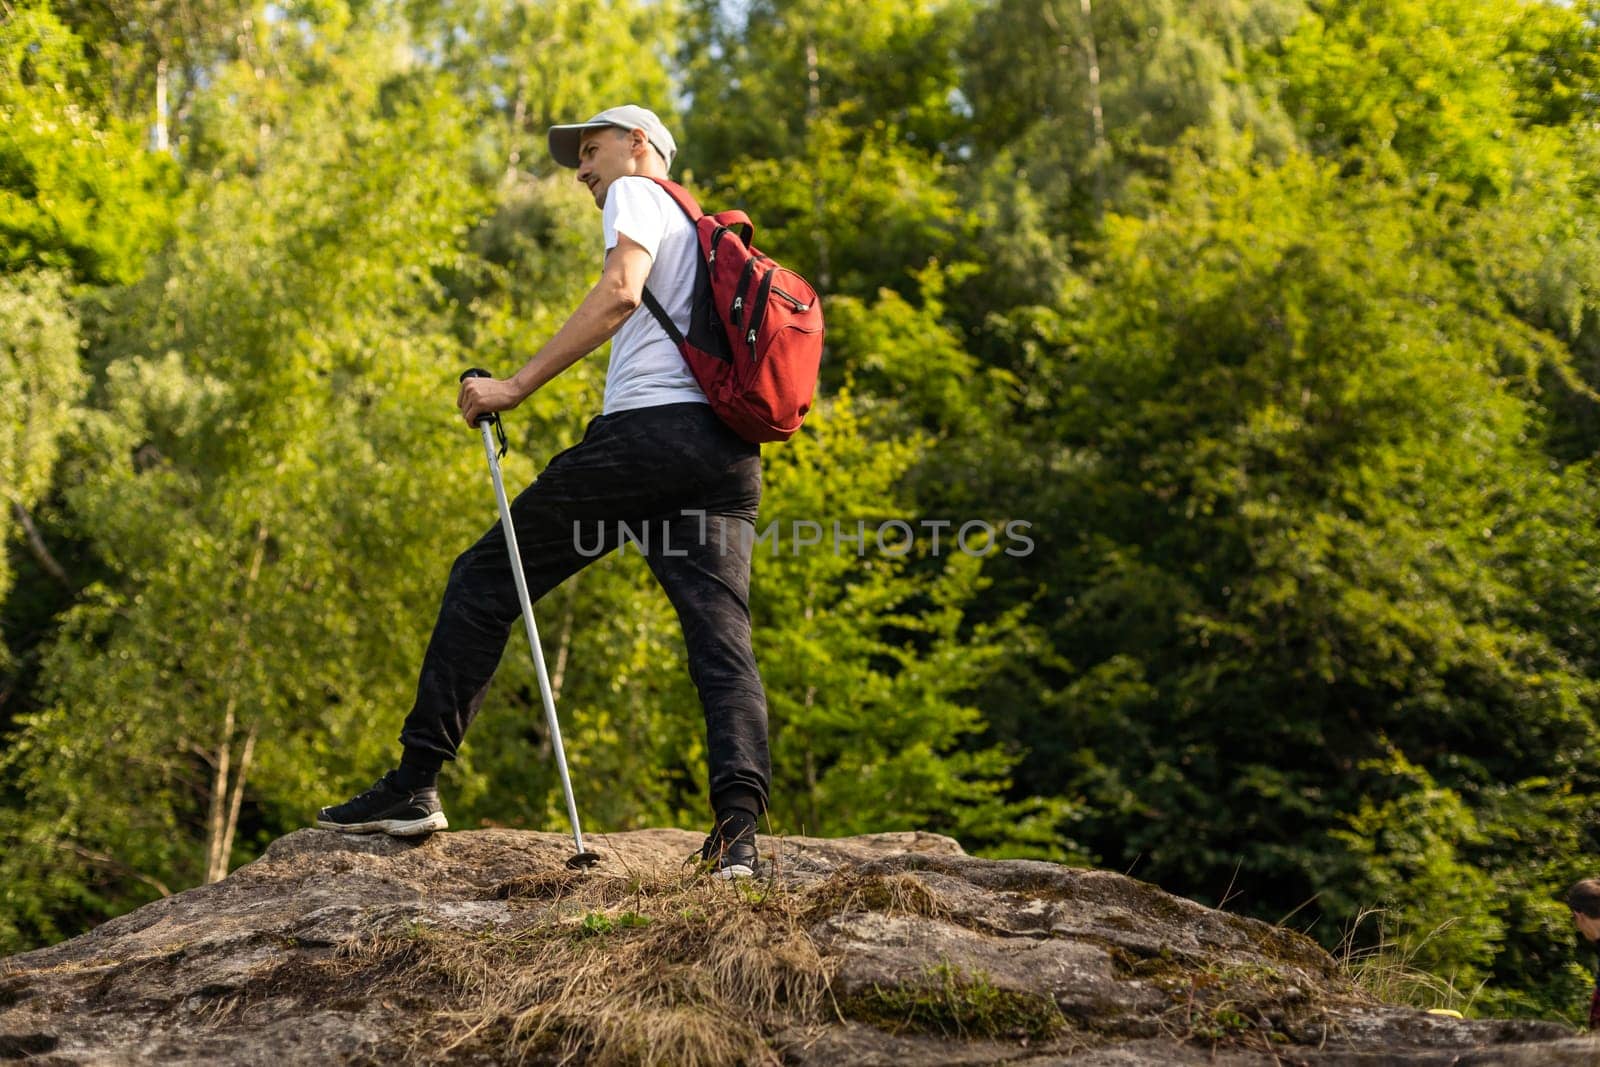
(795,302)
(761,306)
(744,285)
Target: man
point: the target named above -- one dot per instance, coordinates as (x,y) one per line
(1584,900)
(657,458)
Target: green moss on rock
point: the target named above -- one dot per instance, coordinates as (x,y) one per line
(954,1003)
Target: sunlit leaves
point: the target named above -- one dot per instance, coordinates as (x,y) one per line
(77,193)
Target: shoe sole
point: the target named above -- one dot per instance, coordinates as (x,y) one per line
(393,827)
(735,870)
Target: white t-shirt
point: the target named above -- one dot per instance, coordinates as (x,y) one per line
(646,367)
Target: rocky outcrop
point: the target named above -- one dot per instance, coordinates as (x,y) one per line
(480,947)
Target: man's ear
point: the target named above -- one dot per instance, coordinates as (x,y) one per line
(637,141)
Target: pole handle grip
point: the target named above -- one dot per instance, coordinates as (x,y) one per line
(489,417)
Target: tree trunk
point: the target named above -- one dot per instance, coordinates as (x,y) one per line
(569,612)
(111,863)
(818,198)
(225,850)
(518,116)
(36,545)
(1091,56)
(159,138)
(219,792)
(1097,117)
(813,813)
(227,787)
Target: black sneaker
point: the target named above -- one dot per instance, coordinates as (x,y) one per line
(730,850)
(386,808)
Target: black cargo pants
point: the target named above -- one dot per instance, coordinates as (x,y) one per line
(687,488)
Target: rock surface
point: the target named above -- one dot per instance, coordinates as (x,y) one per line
(930,956)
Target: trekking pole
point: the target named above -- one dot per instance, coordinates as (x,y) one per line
(491,426)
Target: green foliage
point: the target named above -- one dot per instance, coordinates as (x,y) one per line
(1553,51)
(1280,332)
(811,206)
(132,49)
(40,384)
(523,67)
(1167,72)
(943,385)
(1411,853)
(77,194)
(1300,507)
(851,180)
(760,83)
(254,476)
(867,675)
(595,924)
(598,924)
(1416,78)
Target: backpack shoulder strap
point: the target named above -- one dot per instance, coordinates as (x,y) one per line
(662,317)
(691,208)
(682,198)
(734,220)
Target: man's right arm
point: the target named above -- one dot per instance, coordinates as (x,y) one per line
(615,297)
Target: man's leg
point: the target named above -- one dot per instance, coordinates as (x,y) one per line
(568,518)
(479,608)
(703,563)
(709,586)
(478,611)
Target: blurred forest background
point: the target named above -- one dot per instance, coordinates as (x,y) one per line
(1278,320)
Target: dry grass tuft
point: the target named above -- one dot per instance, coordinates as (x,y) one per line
(658,966)
(652,968)
(896,894)
(553,886)
(1388,970)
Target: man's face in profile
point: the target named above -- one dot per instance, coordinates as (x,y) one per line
(1589,928)
(604,155)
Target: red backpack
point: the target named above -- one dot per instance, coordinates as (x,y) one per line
(755,328)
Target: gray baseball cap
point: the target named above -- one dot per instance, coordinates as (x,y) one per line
(564,139)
